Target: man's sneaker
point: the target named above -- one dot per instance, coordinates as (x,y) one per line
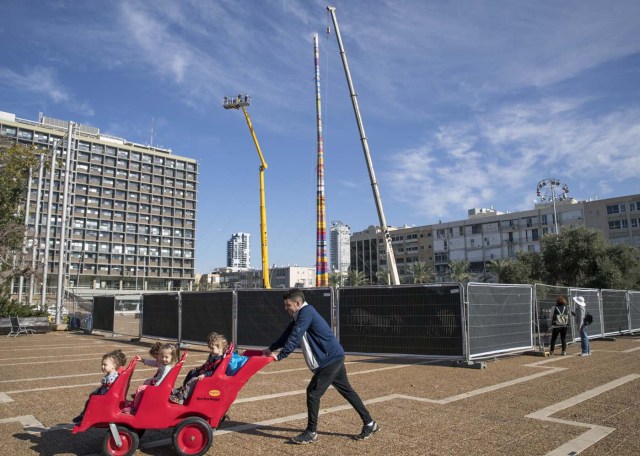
(367,431)
(585,354)
(305,437)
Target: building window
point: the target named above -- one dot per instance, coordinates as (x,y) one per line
(616,208)
(618,225)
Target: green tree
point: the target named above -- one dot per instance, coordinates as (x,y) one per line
(356,278)
(421,272)
(572,258)
(621,268)
(15,162)
(577,257)
(459,271)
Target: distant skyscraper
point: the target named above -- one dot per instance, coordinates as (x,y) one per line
(239,251)
(340,247)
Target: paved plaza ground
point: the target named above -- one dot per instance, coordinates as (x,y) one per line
(518,405)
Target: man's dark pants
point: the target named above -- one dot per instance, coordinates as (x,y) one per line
(334,374)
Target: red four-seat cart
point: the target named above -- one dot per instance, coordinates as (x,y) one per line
(193,422)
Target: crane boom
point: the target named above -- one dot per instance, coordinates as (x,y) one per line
(391,260)
(239,103)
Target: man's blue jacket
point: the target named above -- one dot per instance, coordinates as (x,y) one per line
(312,333)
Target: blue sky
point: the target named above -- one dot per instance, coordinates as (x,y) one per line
(465,103)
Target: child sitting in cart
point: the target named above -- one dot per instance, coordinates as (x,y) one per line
(154,361)
(218,345)
(111,363)
(167,358)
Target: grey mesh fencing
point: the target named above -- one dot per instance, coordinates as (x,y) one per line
(592,305)
(127,315)
(161,316)
(410,320)
(261,317)
(545,300)
(206,312)
(615,312)
(634,310)
(102,316)
(499,319)
(81,312)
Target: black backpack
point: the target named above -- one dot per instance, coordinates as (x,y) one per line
(588,319)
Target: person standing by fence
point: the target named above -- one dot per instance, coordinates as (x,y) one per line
(581,320)
(559,324)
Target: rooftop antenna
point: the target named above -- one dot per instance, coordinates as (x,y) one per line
(153,124)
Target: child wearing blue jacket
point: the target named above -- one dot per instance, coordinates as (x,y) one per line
(325,358)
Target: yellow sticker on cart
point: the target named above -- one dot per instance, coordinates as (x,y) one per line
(214,393)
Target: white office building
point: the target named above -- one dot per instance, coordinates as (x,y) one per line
(340,247)
(239,251)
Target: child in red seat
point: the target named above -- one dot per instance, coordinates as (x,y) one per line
(218,345)
(167,358)
(111,363)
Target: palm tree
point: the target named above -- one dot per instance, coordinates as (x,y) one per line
(356,278)
(336,279)
(421,272)
(382,276)
(497,269)
(459,271)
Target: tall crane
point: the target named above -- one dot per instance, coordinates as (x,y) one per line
(240,102)
(391,259)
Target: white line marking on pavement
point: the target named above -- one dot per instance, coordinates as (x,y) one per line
(5,398)
(49,347)
(64,357)
(595,432)
(28,422)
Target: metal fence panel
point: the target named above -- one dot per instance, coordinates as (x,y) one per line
(205,312)
(160,315)
(416,320)
(615,311)
(634,310)
(545,300)
(126,320)
(261,314)
(500,318)
(102,314)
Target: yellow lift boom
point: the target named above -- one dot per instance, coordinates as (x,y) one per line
(240,102)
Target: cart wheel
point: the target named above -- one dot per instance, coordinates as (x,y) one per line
(129,446)
(192,437)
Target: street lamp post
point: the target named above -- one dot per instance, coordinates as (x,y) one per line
(546,191)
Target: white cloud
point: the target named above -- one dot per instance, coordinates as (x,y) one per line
(522,144)
(42,81)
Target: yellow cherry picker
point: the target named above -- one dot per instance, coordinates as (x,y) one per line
(240,102)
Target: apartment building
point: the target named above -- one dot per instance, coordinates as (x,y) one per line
(280,277)
(239,251)
(339,248)
(131,208)
(488,234)
(410,245)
